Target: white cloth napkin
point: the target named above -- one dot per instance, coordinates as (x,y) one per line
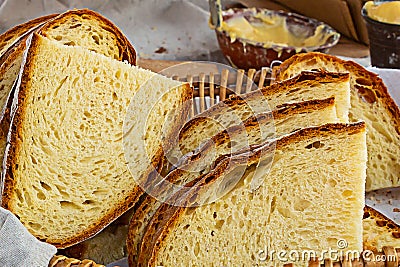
(18,248)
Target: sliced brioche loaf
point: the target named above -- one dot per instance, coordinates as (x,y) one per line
(316,182)
(379,231)
(66,153)
(371,102)
(236,109)
(84,28)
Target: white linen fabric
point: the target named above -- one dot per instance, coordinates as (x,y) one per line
(18,247)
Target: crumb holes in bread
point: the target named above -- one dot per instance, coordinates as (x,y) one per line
(390,225)
(285,212)
(366,215)
(41,196)
(301,204)
(366,94)
(396,234)
(219,224)
(75,26)
(69,205)
(118,74)
(196,249)
(58,38)
(294,90)
(45,186)
(363,81)
(312,62)
(34,226)
(316,144)
(347,193)
(96,39)
(70,43)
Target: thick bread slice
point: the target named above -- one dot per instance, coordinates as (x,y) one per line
(77,27)
(371,102)
(232,111)
(379,231)
(8,38)
(286,119)
(315,184)
(66,156)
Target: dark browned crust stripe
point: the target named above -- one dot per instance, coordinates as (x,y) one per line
(16,138)
(10,36)
(167,215)
(237,101)
(378,87)
(150,204)
(126,50)
(382,221)
(253,122)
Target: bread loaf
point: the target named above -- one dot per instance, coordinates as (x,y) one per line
(284,120)
(66,172)
(316,182)
(84,28)
(236,109)
(371,102)
(379,231)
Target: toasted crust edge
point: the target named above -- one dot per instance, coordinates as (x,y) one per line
(167,215)
(150,203)
(235,101)
(20,30)
(126,50)
(382,221)
(356,69)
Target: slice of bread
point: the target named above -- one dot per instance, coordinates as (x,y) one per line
(65,156)
(286,119)
(371,102)
(8,38)
(236,109)
(91,30)
(316,182)
(84,28)
(379,231)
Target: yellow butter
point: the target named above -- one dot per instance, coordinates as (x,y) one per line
(387,12)
(271,30)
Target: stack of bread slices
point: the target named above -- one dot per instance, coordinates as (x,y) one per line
(69,87)
(283,168)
